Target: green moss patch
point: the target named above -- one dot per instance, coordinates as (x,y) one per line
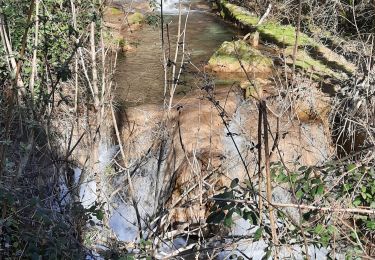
(240,14)
(136,18)
(307,63)
(230,56)
(283,34)
(321,57)
(114,11)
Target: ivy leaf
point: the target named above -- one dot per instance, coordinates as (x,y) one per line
(320,189)
(258,234)
(228,221)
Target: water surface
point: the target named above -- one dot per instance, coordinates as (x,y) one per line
(140,74)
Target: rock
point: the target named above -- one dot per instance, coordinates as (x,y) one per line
(230,55)
(312,106)
(284,36)
(136,18)
(305,62)
(113,11)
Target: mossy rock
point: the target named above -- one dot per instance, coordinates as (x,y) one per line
(228,57)
(239,13)
(136,18)
(114,11)
(310,65)
(284,36)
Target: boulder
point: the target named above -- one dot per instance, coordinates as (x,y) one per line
(231,55)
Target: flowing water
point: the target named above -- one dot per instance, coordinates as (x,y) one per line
(140,80)
(140,74)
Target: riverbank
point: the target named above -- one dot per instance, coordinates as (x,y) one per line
(207,144)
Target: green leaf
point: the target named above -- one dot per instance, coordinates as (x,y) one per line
(319,229)
(234,183)
(258,234)
(370,224)
(331,229)
(250,216)
(293,177)
(228,221)
(320,189)
(357,202)
(225,195)
(325,240)
(347,187)
(99,214)
(299,194)
(281,178)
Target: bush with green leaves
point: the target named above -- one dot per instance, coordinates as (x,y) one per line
(344,186)
(34,223)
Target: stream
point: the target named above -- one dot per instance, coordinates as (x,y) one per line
(140,74)
(195,157)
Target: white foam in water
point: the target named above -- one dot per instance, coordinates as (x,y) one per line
(123,224)
(87,193)
(172,6)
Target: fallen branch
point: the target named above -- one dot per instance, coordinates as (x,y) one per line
(290,205)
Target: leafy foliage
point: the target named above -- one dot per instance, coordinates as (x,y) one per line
(35,223)
(340,183)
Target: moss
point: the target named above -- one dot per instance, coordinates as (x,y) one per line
(226,58)
(241,14)
(223,82)
(114,11)
(284,35)
(305,62)
(334,60)
(242,50)
(136,18)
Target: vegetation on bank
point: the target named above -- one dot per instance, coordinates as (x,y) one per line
(225,59)
(56,84)
(285,36)
(55,89)
(333,202)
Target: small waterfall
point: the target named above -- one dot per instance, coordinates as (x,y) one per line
(172,6)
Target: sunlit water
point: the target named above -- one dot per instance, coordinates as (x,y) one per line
(140,74)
